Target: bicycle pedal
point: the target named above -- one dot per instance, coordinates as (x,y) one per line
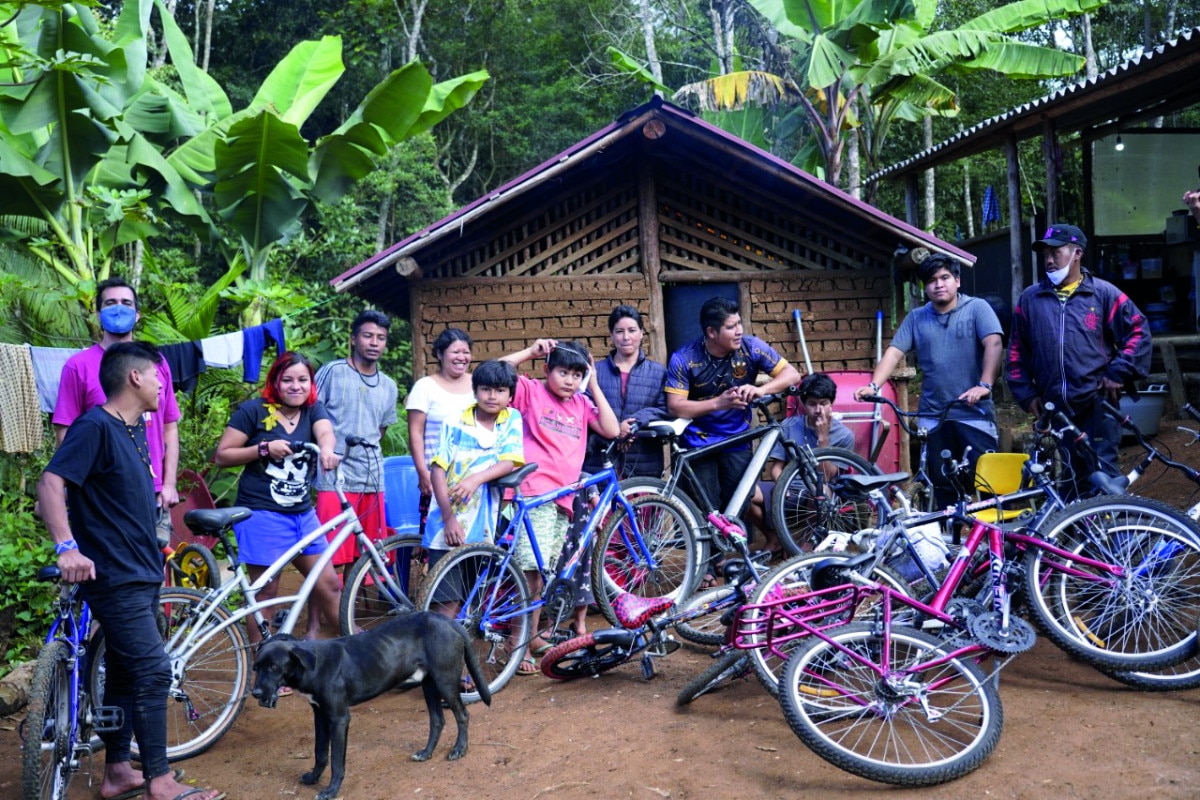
(107,719)
(663,647)
(647,666)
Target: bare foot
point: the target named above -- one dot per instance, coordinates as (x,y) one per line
(166,787)
(119,778)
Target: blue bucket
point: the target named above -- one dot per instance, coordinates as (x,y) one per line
(1159,316)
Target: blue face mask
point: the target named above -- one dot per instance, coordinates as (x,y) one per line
(118,319)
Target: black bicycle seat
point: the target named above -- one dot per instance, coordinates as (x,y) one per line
(213,520)
(866,483)
(833,571)
(514,479)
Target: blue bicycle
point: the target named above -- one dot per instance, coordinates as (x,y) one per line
(646,548)
(61,719)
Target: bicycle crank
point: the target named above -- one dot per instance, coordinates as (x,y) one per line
(988,629)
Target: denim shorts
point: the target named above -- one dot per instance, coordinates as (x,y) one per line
(268,534)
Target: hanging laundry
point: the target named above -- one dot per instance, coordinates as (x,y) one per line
(255,341)
(20,418)
(186,361)
(991,206)
(223,351)
(47,370)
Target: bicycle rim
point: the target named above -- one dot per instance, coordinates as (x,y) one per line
(620,565)
(801,516)
(1144,620)
(710,605)
(193,566)
(367,599)
(47,742)
(490,599)
(210,697)
(914,726)
(582,657)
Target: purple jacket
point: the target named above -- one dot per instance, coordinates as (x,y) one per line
(1060,351)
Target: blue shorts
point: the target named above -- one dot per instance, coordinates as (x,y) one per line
(268,534)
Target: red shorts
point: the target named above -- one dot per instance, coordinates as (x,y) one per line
(368,506)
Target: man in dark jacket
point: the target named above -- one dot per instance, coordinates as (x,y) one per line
(1076,339)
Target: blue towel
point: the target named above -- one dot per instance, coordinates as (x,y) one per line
(254,341)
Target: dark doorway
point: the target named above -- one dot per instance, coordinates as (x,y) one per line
(681,309)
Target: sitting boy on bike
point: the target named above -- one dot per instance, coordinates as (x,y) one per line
(556,416)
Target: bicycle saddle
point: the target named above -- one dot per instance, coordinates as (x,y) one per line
(830,572)
(665,428)
(1109,484)
(634,612)
(514,479)
(212,520)
(866,483)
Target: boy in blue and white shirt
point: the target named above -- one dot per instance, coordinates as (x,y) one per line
(484,444)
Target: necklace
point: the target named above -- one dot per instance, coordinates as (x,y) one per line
(361,376)
(129,429)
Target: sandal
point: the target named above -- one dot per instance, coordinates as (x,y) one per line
(709,582)
(528,666)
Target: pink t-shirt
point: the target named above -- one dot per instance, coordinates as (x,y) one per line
(80,390)
(555,436)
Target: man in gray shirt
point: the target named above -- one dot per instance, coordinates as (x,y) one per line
(957,343)
(361,401)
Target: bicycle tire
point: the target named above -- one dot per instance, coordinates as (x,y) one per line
(366,601)
(799,519)
(193,566)
(1178,678)
(727,668)
(46,768)
(581,657)
(706,629)
(791,578)
(850,713)
(470,574)
(1146,620)
(639,486)
(664,528)
(215,683)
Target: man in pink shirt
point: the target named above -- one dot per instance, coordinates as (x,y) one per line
(80,390)
(556,418)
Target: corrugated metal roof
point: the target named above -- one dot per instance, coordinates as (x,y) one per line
(1151,83)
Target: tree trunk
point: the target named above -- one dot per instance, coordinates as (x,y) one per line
(721,13)
(208,23)
(854,167)
(651,49)
(381,233)
(1089,51)
(930,187)
(968,205)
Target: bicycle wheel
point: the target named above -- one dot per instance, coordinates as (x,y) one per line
(791,578)
(697,521)
(490,598)
(802,517)
(909,725)
(367,601)
(193,566)
(707,628)
(46,743)
(726,669)
(581,657)
(210,696)
(1145,619)
(619,564)
(1178,678)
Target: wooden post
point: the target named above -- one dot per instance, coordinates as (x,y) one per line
(648,234)
(1050,153)
(419,354)
(1016,257)
(910,200)
(1174,376)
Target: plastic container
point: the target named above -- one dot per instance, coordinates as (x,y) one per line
(1146,413)
(1129,270)
(402,494)
(1159,316)
(1152,267)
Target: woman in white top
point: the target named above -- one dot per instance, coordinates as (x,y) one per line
(436,398)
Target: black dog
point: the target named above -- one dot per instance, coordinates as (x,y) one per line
(423,647)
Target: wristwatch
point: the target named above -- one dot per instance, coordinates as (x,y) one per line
(985,385)
(264,450)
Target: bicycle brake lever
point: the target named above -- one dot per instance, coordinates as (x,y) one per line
(1195,434)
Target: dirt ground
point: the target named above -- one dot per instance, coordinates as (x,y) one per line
(1069,732)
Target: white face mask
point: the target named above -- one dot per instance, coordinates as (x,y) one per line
(1057,276)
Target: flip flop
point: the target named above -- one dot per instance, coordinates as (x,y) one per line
(191,792)
(528,666)
(138,791)
(537,651)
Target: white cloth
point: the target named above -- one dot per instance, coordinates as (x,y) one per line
(222,351)
(47,372)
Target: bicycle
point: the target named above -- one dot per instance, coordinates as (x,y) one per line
(805,508)
(61,720)
(645,548)
(191,565)
(202,632)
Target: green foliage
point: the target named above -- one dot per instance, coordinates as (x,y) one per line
(26,605)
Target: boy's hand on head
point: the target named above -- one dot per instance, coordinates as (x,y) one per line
(542,347)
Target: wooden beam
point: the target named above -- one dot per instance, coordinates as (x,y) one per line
(1050,155)
(1016,258)
(1166,349)
(419,353)
(648,238)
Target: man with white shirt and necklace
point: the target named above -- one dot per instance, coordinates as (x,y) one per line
(957,341)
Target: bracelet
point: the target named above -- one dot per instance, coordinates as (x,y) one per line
(264,450)
(985,385)
(874,387)
(63,547)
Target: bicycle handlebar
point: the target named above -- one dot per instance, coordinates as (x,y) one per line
(904,417)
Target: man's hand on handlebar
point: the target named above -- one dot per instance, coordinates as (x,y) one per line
(975,394)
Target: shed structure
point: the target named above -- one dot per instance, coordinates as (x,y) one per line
(654,210)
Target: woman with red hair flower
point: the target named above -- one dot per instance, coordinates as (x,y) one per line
(276,480)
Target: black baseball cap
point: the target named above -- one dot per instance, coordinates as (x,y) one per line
(1059,234)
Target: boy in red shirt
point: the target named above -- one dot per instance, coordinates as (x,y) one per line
(556,417)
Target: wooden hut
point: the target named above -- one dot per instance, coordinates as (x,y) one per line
(660,210)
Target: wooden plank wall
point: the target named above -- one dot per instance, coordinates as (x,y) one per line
(503,316)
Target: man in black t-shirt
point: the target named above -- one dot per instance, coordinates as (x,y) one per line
(102,472)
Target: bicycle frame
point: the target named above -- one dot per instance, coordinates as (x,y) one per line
(78,627)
